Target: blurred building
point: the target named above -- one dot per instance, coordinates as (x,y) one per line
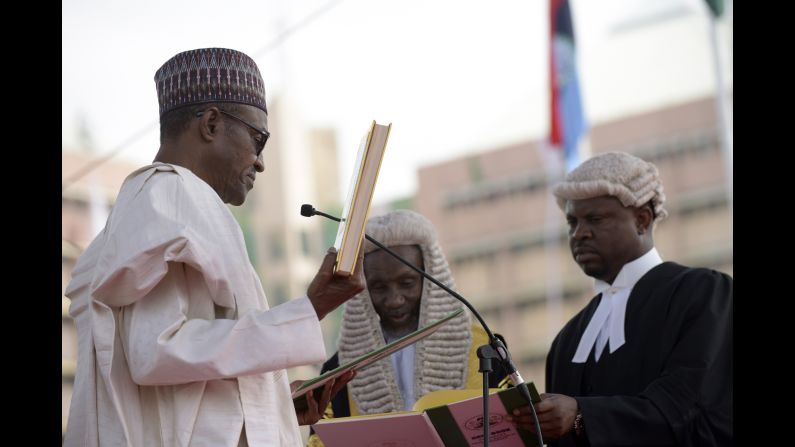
(491,210)
(285,248)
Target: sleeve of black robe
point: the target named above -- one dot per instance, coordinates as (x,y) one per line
(690,403)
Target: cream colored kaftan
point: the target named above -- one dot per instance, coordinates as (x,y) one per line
(177,346)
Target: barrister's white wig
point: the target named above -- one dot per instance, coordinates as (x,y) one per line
(441,359)
(634,182)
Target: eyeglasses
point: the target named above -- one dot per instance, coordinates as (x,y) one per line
(259,143)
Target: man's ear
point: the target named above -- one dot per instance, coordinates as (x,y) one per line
(209,122)
(643,219)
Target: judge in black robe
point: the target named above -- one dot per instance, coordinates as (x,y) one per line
(671,382)
(668,381)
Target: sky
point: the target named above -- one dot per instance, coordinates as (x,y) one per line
(453,77)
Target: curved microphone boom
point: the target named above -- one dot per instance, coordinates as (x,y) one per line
(308,210)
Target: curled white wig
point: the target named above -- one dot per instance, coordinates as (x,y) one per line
(441,359)
(633,181)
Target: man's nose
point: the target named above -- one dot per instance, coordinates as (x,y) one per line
(581,231)
(395,298)
(259,163)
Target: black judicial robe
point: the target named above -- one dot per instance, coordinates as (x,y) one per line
(671,382)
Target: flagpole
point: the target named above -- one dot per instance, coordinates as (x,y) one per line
(563,150)
(724,117)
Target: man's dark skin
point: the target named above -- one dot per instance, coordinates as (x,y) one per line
(603,236)
(395,289)
(223,152)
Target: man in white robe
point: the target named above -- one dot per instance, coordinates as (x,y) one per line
(176,343)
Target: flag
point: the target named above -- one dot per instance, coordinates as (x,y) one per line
(567,119)
(566,131)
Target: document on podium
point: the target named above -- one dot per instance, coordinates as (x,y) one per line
(454,419)
(402,429)
(367,359)
(360,192)
(461,423)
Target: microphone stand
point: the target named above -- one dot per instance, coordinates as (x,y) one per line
(496,349)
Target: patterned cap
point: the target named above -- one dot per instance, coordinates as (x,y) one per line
(209,75)
(633,181)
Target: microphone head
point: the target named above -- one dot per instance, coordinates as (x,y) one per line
(307,210)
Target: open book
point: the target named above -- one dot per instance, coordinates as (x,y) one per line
(444,424)
(367,359)
(360,193)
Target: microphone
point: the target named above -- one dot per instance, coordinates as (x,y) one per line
(308,210)
(495,343)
